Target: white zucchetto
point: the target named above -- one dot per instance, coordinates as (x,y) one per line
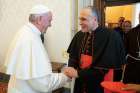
(39,9)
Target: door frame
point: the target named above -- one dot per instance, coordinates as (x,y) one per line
(102,4)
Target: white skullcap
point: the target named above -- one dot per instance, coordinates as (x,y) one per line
(39,9)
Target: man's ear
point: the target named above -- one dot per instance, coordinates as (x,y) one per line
(95,19)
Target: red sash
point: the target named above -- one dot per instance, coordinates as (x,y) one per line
(86,61)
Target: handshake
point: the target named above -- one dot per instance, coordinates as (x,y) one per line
(70,72)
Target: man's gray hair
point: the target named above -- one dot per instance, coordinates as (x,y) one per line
(34,17)
(95,12)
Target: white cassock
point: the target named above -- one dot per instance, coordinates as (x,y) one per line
(29,66)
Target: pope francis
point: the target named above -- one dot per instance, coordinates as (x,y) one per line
(27,61)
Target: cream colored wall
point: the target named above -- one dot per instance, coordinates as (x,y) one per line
(14,14)
(58,37)
(113,13)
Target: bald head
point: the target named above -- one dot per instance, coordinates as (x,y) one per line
(90,11)
(86,12)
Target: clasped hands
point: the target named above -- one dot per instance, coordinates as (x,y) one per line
(70,72)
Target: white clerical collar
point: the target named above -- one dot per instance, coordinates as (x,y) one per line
(34,28)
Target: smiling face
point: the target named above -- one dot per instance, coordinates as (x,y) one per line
(126,26)
(87,20)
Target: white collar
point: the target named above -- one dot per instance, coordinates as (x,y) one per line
(34,28)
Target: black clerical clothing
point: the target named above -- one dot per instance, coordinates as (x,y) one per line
(120,31)
(107,52)
(132,41)
(118,73)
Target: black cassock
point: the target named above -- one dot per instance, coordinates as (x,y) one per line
(132,41)
(107,51)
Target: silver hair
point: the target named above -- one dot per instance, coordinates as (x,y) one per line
(95,12)
(34,17)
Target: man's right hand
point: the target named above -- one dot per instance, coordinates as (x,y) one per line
(70,72)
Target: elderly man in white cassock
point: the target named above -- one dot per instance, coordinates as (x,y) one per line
(27,61)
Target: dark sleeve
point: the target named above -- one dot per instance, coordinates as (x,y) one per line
(109,50)
(126,43)
(73,51)
(118,50)
(73,63)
